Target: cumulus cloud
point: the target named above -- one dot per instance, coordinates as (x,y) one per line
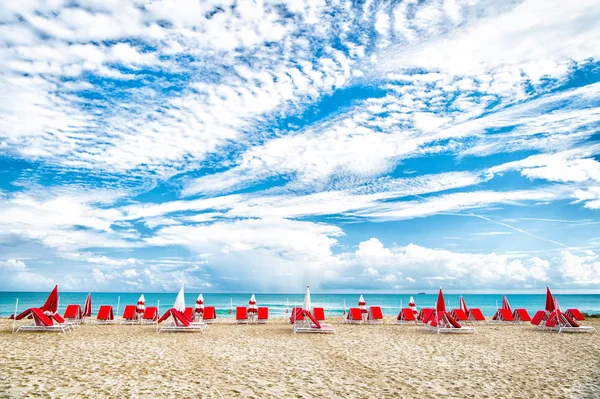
(17,276)
(399,268)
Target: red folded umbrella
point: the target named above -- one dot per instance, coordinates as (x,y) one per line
(87,308)
(51,305)
(463,305)
(441,306)
(505,304)
(549,301)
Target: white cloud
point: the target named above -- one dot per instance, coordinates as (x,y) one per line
(457,202)
(579,270)
(533,31)
(17,276)
(432,267)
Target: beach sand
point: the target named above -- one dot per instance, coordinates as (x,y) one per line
(269,361)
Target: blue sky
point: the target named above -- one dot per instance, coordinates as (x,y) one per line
(263,145)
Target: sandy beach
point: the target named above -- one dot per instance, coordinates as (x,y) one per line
(269,361)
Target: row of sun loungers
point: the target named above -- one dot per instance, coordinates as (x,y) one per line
(305,319)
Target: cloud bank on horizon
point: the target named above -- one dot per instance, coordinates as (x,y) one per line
(261,145)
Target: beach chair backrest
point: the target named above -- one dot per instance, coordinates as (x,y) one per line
(150,313)
(424,314)
(129,312)
(189,313)
(263,313)
(400,315)
(72,312)
(375,313)
(575,314)
(459,315)
(476,314)
(319,314)
(428,314)
(105,313)
(408,314)
(209,313)
(505,315)
(354,314)
(241,313)
(522,315)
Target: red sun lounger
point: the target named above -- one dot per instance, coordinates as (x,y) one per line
(428,315)
(41,322)
(129,314)
(150,315)
(241,315)
(475,314)
(319,314)
(443,322)
(424,314)
(180,323)
(374,316)
(209,315)
(105,315)
(521,315)
(354,316)
(262,315)
(304,322)
(459,315)
(73,314)
(503,315)
(406,316)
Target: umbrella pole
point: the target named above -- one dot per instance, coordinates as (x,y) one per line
(118,303)
(15,315)
(158,307)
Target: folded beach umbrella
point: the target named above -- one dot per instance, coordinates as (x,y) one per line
(307,305)
(362,304)
(87,308)
(199,304)
(413,306)
(441,305)
(141,305)
(463,305)
(180,301)
(556,305)
(252,305)
(549,301)
(51,305)
(505,304)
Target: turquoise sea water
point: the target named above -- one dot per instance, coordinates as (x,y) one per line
(333,303)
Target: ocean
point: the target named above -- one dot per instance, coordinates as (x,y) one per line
(277,303)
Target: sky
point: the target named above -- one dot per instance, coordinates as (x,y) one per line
(259,146)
